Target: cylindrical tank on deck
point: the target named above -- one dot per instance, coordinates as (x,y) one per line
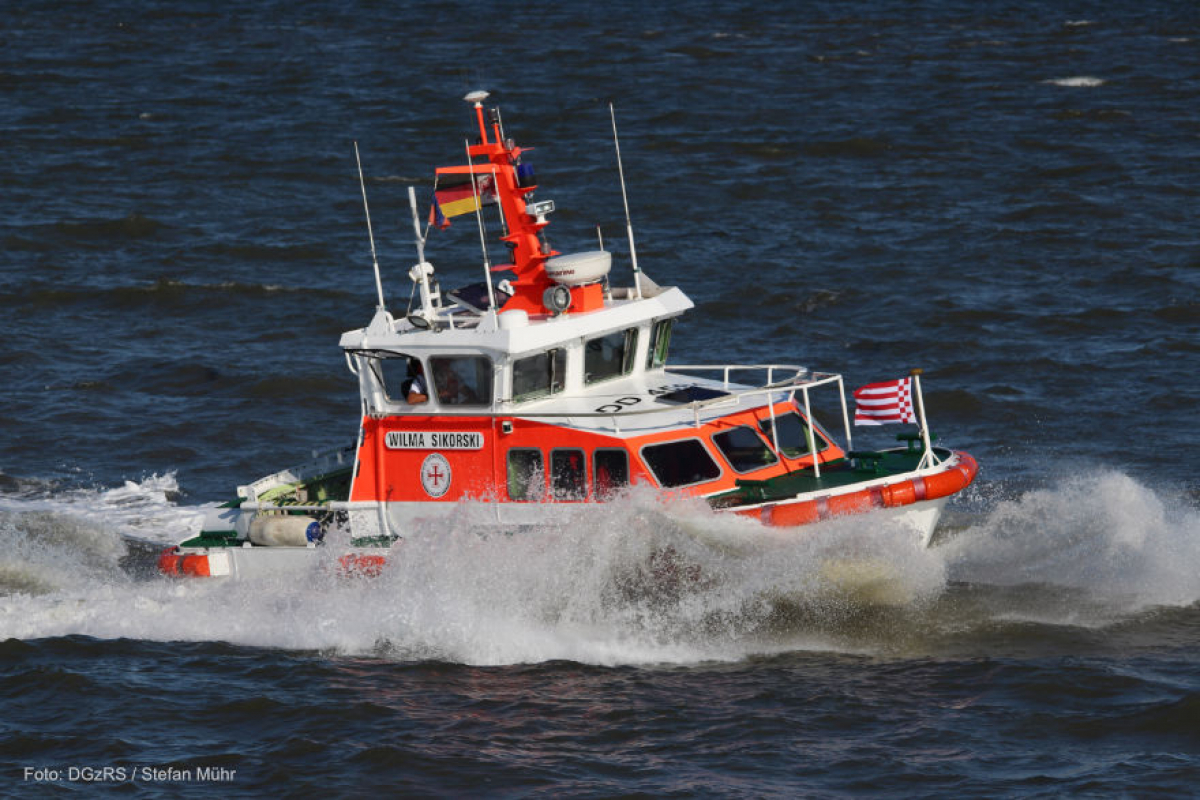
(278,530)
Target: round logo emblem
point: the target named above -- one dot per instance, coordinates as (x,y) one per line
(435,475)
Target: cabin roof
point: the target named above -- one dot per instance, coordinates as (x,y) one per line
(475,332)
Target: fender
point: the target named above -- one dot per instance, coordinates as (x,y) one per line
(953,479)
(892,495)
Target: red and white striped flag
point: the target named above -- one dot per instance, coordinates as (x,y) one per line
(880,403)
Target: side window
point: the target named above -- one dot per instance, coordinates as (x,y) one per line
(793,434)
(609,356)
(539,375)
(401,376)
(568,475)
(462,380)
(743,449)
(610,472)
(660,341)
(526,476)
(680,463)
(627,357)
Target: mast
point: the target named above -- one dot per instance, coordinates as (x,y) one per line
(422,269)
(528,255)
(374,261)
(523,219)
(637,273)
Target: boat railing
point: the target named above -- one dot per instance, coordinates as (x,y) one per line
(792,372)
(795,379)
(321,463)
(800,380)
(780,378)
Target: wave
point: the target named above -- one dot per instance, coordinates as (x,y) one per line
(644,581)
(131,226)
(1104,534)
(163,291)
(854,147)
(1078,81)
(52,541)
(255,251)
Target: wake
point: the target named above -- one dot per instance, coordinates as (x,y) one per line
(643,581)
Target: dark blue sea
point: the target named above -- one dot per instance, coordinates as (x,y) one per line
(1006,195)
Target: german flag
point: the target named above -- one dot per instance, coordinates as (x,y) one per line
(454,194)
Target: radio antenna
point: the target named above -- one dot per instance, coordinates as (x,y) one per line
(637,273)
(374,261)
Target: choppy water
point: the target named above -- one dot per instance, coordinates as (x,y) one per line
(1003,195)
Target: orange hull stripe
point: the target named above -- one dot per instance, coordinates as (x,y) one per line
(387,475)
(892,495)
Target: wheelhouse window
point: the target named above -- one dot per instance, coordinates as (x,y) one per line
(526,475)
(462,380)
(401,376)
(568,474)
(793,435)
(539,375)
(680,463)
(660,341)
(610,472)
(610,356)
(744,449)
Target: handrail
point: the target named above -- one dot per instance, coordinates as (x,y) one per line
(795,383)
(329,505)
(322,460)
(727,368)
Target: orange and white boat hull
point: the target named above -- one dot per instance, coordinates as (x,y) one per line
(911,502)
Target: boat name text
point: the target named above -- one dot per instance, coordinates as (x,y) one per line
(434,440)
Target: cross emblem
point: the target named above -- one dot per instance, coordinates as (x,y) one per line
(436,475)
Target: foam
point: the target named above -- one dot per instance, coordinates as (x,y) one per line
(1079,81)
(1104,534)
(643,581)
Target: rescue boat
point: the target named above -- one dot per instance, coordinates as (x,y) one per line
(545,386)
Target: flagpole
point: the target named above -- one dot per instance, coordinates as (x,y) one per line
(927,459)
(487,264)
